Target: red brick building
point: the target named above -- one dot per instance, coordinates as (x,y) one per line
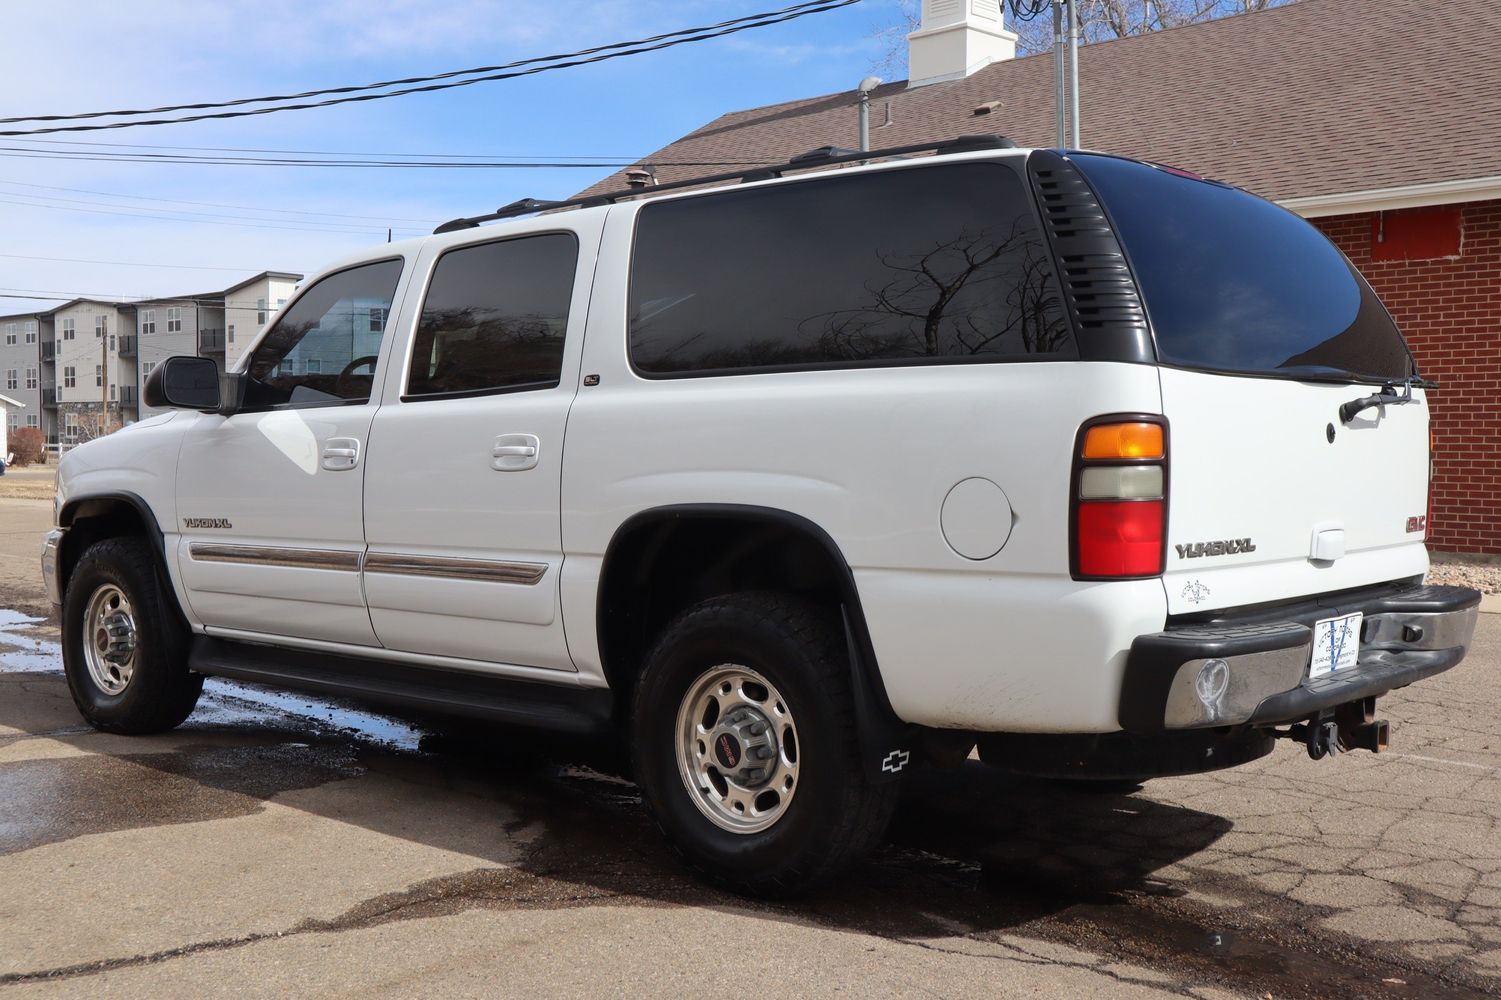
(1379,121)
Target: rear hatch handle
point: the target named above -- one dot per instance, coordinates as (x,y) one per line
(1388,396)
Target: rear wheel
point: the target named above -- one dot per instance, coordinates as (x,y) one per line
(745,747)
(124,650)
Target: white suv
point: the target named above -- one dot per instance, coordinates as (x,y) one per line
(798,481)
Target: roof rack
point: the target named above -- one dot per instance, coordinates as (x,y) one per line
(822,157)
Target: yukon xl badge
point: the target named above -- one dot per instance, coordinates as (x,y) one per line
(206,522)
(1227,547)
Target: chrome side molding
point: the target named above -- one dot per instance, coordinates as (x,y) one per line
(448,568)
(339,560)
(389,563)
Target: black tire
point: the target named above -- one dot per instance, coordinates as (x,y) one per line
(161,691)
(836,815)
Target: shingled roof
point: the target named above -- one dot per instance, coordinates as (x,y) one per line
(1316,98)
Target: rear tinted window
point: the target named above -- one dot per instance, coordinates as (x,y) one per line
(1232,282)
(934,264)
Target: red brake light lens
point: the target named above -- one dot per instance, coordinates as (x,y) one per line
(1121,538)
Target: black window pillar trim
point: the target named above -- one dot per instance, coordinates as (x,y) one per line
(1101,296)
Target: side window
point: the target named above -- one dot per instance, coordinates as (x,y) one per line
(330,323)
(494,318)
(930,265)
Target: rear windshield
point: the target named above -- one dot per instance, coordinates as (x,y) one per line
(1233,283)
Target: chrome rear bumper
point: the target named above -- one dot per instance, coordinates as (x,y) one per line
(1252,668)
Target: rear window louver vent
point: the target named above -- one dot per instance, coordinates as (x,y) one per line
(1098,288)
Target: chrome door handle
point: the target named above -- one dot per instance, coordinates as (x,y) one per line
(341,454)
(515,452)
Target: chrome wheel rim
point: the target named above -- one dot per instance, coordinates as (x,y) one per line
(737,749)
(109,639)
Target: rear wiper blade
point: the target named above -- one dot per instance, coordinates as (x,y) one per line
(1388,396)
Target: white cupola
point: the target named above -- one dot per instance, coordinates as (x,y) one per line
(957,37)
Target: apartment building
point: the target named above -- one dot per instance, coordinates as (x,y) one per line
(168,327)
(247,308)
(21,339)
(77,370)
(95,381)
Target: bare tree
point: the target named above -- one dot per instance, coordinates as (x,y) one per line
(88,425)
(1099,20)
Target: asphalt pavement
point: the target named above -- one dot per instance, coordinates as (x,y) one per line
(280,845)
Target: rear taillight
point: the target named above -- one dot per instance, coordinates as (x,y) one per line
(1119,499)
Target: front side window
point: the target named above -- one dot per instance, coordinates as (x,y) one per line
(494,318)
(329,323)
(935,265)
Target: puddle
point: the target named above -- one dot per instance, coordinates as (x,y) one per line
(230,703)
(23,653)
(224,703)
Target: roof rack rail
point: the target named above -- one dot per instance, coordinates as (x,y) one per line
(821,157)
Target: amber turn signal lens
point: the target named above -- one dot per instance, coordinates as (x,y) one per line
(1135,440)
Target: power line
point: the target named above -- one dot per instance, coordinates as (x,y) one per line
(211,222)
(330,152)
(216,204)
(132,263)
(413,79)
(583,57)
(330,227)
(254,161)
(237,305)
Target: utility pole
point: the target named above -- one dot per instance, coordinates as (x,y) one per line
(1073,70)
(1060,98)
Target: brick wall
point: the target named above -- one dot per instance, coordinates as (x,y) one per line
(1450,310)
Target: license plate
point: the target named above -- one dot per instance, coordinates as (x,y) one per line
(1336,645)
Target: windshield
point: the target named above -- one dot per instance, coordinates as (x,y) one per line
(1231,282)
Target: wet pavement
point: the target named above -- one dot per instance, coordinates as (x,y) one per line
(280,844)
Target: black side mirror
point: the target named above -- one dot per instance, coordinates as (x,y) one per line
(183,383)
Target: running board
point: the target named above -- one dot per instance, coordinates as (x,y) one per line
(534,705)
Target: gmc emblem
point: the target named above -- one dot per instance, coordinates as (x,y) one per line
(1416,524)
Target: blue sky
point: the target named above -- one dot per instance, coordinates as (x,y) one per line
(95,55)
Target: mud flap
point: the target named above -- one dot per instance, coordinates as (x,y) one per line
(887,744)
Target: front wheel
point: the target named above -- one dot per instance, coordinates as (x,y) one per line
(124,651)
(745,746)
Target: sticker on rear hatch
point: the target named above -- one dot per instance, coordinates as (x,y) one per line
(1336,644)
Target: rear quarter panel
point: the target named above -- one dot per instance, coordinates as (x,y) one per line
(1007,642)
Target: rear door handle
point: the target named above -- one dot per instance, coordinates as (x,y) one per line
(341,454)
(515,452)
